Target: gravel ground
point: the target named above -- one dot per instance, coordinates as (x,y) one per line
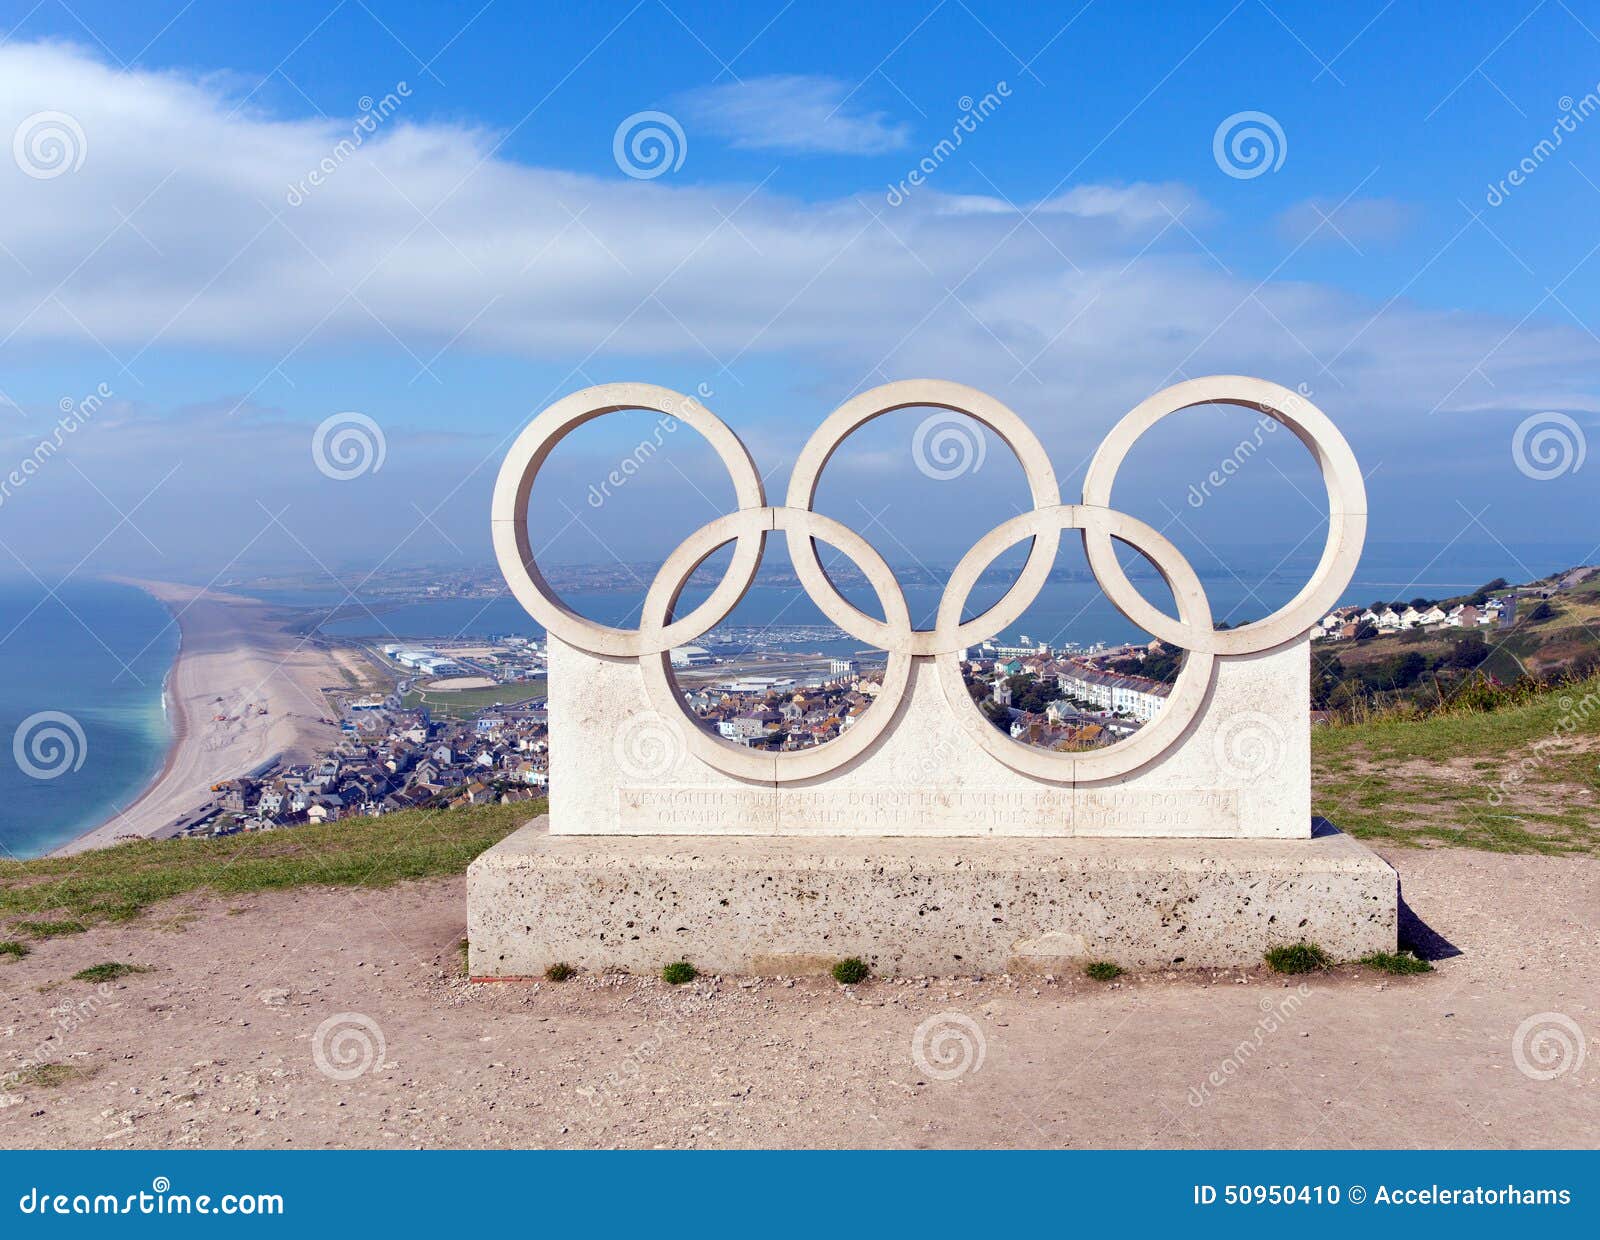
(317,1018)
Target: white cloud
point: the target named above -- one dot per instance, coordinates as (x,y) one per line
(793,112)
(1328,221)
(177,233)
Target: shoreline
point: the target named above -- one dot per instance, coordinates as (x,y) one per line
(261,686)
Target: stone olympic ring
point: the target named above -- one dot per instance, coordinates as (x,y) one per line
(1099,523)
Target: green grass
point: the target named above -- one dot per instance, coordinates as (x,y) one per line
(10,947)
(679,972)
(48,929)
(462,703)
(1522,776)
(122,881)
(560,971)
(110,971)
(850,970)
(1103,970)
(1297,958)
(1396,962)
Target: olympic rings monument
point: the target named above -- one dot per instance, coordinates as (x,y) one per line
(923,839)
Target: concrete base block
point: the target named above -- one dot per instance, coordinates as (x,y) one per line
(753,905)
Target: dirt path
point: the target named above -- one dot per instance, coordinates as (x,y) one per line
(219,1044)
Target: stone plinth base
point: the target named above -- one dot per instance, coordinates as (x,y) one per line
(916,906)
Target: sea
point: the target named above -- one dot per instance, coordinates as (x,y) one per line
(81,706)
(83,729)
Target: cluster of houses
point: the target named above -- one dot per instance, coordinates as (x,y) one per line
(390,759)
(1092,704)
(786,717)
(1343,622)
(1133,697)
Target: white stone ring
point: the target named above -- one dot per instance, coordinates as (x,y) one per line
(748,527)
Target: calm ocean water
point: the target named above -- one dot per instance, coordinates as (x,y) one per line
(96,654)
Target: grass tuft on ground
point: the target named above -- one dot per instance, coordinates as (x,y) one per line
(679,972)
(49,929)
(110,971)
(1297,958)
(124,880)
(1395,962)
(1103,970)
(1514,772)
(10,947)
(48,1075)
(850,970)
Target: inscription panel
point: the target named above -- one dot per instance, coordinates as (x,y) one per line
(902,811)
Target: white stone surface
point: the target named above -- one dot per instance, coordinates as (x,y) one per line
(619,767)
(785,906)
(1227,757)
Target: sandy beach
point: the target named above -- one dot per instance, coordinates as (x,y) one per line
(242,690)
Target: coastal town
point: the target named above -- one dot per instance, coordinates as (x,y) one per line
(455,722)
(395,752)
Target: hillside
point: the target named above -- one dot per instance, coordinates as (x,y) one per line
(1511,771)
(1550,638)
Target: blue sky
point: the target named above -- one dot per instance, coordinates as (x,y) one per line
(483,253)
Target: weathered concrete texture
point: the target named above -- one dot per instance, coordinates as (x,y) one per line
(917,906)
